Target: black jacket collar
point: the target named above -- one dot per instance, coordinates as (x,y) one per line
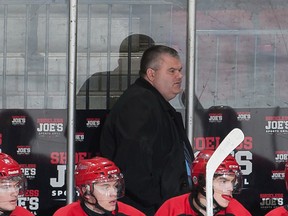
(145,84)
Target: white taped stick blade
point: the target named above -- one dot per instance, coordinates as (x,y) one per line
(230,142)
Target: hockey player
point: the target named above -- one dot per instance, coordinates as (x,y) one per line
(281,210)
(227,179)
(99,183)
(12,185)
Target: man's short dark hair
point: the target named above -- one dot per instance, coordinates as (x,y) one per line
(150,57)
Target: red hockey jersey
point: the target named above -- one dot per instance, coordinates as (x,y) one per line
(180,205)
(20,211)
(75,209)
(280,211)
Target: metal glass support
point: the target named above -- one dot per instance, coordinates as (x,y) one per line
(71,98)
(190,68)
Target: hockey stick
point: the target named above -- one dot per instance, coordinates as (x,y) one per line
(230,142)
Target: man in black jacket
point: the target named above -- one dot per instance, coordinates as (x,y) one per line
(145,136)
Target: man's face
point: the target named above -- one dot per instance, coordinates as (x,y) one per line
(106,194)
(168,77)
(223,187)
(9,191)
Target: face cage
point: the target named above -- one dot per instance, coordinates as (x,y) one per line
(237,183)
(88,188)
(22,183)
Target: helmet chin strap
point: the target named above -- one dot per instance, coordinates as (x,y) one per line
(108,213)
(5,213)
(98,206)
(217,207)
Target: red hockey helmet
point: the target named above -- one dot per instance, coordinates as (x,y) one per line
(10,170)
(229,166)
(97,170)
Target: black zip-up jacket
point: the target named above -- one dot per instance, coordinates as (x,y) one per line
(144,135)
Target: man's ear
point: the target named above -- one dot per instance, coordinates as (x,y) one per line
(150,73)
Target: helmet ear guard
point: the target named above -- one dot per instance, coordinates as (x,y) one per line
(199,184)
(88,189)
(199,181)
(84,190)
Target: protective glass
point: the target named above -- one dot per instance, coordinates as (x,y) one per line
(105,188)
(110,189)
